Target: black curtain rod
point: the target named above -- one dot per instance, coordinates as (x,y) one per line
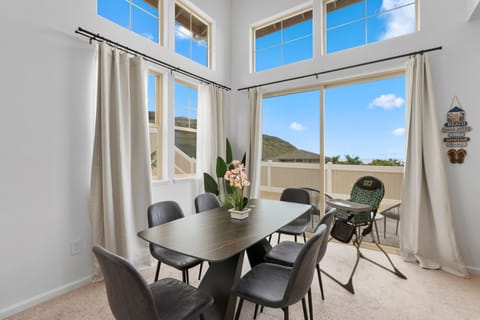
(97,37)
(343,68)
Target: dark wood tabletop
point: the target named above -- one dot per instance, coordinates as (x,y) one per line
(214,236)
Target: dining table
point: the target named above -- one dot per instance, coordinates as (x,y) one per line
(215,237)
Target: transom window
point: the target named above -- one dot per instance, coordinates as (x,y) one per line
(186,102)
(192,35)
(283,41)
(140,16)
(352,23)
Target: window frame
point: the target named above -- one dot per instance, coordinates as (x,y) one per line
(202,18)
(160,29)
(365,17)
(158,123)
(195,86)
(280,19)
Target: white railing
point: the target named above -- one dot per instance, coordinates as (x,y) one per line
(275,176)
(184,164)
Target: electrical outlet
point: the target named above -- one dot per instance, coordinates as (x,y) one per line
(75,247)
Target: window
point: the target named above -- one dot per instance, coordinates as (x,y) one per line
(186,100)
(154,101)
(284,41)
(352,23)
(192,35)
(140,16)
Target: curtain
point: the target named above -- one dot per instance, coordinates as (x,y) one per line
(210,130)
(120,178)
(426,230)
(254,154)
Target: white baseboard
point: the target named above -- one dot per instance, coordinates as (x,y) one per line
(25,304)
(474,270)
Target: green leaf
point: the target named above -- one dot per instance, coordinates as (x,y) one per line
(221,168)
(210,184)
(228,154)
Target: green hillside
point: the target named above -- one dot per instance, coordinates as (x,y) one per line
(274,146)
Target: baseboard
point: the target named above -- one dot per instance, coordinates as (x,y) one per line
(474,270)
(25,304)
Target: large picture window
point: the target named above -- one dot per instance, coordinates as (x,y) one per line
(140,16)
(352,23)
(283,41)
(155,118)
(186,102)
(192,35)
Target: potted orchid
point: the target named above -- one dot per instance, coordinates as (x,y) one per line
(238,181)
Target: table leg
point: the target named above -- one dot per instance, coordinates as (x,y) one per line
(218,282)
(256,252)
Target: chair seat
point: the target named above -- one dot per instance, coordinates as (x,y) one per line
(284,253)
(296,227)
(174,259)
(177,300)
(265,284)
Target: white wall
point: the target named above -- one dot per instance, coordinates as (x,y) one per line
(473,9)
(456,71)
(47,75)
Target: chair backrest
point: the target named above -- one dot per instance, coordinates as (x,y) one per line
(304,267)
(368,190)
(298,195)
(206,201)
(314,195)
(326,220)
(163,212)
(128,294)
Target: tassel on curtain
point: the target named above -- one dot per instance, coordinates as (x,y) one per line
(120,178)
(426,231)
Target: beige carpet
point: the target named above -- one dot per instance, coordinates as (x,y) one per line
(379,294)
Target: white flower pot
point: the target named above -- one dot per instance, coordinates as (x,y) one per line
(239,214)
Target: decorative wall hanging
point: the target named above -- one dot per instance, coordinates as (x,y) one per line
(456,128)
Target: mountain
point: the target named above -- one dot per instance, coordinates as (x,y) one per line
(274,146)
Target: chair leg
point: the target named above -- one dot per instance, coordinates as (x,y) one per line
(376,230)
(255,312)
(269,238)
(304,238)
(396,229)
(200,271)
(304,307)
(158,271)
(278,240)
(184,276)
(385,227)
(319,274)
(310,304)
(285,313)
(188,277)
(295,236)
(239,309)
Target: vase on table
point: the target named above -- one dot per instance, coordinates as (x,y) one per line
(239,214)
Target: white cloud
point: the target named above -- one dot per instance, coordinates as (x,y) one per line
(399,21)
(399,132)
(387,101)
(182,32)
(297,126)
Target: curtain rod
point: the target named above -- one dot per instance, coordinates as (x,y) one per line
(97,37)
(343,68)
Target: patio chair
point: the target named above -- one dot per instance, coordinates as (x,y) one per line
(130,297)
(392,212)
(357,216)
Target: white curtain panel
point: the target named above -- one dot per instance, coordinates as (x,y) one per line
(254,153)
(426,230)
(210,130)
(120,178)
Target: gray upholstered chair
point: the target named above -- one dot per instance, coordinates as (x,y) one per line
(206,201)
(130,297)
(299,225)
(159,213)
(286,252)
(203,202)
(276,286)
